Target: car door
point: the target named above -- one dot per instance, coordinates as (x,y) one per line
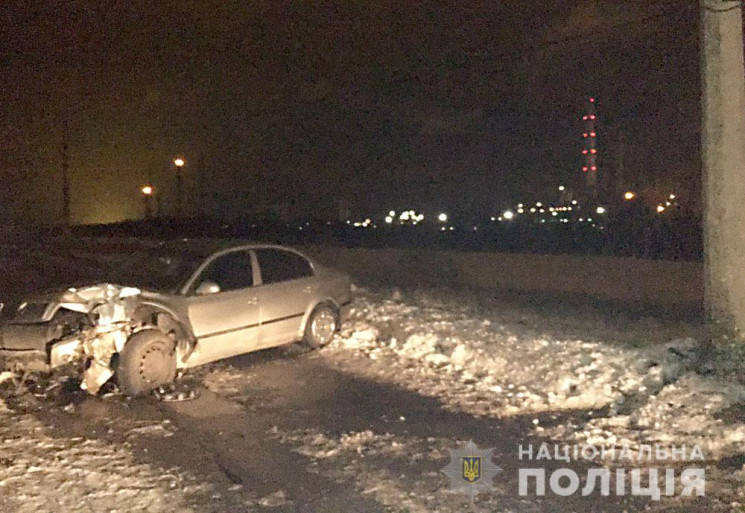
(286,292)
(225,322)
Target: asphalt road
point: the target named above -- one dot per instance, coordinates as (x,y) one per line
(228,439)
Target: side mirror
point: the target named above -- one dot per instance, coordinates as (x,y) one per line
(206,288)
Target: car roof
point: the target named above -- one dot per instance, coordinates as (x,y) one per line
(204,247)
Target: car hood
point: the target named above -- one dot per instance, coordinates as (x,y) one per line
(42,306)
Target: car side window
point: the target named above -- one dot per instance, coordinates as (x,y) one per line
(231,271)
(277,265)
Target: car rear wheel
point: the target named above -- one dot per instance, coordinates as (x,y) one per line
(322,324)
(147,361)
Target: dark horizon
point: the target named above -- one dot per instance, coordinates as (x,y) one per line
(440,106)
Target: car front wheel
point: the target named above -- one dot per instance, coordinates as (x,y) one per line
(147,361)
(322,324)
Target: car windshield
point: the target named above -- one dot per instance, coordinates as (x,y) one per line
(156,270)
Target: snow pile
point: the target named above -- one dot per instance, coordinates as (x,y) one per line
(513,361)
(548,373)
(691,411)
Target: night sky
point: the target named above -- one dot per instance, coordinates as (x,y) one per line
(463,107)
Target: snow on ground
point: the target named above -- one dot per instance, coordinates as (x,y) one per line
(641,381)
(518,361)
(377,464)
(41,473)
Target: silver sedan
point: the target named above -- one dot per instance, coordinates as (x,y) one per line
(179,307)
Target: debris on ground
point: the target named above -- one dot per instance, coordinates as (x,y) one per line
(176,392)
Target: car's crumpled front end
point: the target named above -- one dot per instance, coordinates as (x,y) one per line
(87,326)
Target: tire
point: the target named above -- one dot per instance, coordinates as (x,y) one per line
(147,361)
(321,326)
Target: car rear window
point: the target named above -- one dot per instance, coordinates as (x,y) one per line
(277,266)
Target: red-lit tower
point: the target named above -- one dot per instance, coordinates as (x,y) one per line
(589,146)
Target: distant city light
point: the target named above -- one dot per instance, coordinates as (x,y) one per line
(532,210)
(443,217)
(629,195)
(508,214)
(493,218)
(520,210)
(660,209)
(519,205)
(539,204)
(147,190)
(600,210)
(388,219)
(574,202)
(672,196)
(392,213)
(179,162)
(561,187)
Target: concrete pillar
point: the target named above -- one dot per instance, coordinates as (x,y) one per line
(723,160)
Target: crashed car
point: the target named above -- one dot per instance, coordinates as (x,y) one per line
(174,307)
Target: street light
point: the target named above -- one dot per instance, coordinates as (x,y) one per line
(629,195)
(442,217)
(179,163)
(147,195)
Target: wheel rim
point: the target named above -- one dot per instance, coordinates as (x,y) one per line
(323,326)
(155,365)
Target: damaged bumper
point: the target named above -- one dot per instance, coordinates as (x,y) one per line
(27,345)
(48,345)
